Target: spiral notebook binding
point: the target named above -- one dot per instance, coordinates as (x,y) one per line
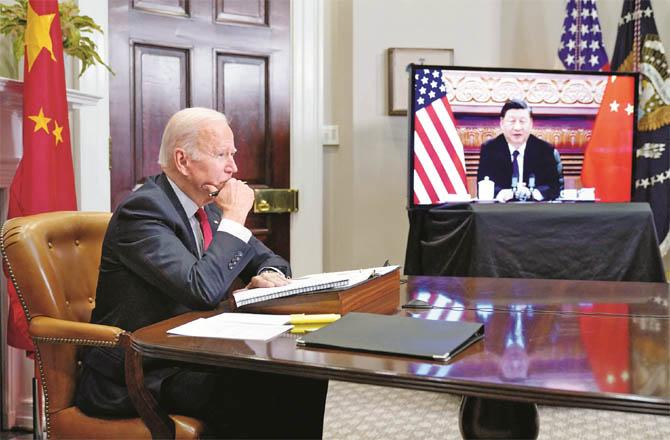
(295,291)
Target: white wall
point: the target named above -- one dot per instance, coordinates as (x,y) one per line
(365,189)
(365,177)
(531,29)
(91,151)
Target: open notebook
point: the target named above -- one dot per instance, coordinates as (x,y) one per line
(310,284)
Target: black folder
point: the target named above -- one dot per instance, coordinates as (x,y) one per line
(401,335)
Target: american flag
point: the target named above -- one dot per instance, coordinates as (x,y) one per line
(439,162)
(581,46)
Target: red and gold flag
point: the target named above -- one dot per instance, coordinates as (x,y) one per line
(44,179)
(608,158)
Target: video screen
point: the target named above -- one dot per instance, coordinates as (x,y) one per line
(503,135)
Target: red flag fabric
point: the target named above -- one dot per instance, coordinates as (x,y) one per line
(608,158)
(607,345)
(44,179)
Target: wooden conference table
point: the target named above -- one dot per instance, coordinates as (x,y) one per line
(590,344)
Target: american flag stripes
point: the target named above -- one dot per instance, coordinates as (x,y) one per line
(581,46)
(439,161)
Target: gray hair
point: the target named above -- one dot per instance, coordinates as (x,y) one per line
(182,131)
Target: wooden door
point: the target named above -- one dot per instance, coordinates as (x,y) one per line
(231,55)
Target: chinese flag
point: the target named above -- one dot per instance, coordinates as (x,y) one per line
(44,179)
(606,341)
(608,159)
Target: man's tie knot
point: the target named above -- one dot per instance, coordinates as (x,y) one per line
(201,215)
(515,154)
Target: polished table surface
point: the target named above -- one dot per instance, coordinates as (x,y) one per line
(581,344)
(552,296)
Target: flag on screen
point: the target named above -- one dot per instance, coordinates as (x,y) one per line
(639,49)
(608,161)
(581,46)
(44,179)
(439,161)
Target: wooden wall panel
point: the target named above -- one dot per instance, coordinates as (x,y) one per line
(252,12)
(160,88)
(242,96)
(165,7)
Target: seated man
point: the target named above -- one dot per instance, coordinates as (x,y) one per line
(522,166)
(175,245)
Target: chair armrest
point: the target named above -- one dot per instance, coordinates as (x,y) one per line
(60,331)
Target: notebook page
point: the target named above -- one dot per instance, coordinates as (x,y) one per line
(245,295)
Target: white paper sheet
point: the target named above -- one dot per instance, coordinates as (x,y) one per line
(206,328)
(250,318)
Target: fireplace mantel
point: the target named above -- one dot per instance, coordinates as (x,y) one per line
(11,111)
(11,94)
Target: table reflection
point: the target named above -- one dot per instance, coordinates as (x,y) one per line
(649,299)
(600,350)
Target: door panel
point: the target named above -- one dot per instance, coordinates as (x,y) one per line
(169,7)
(157,71)
(241,82)
(241,11)
(232,55)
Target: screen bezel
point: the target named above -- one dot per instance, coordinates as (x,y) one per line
(412,108)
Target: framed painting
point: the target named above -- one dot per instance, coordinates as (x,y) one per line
(398,60)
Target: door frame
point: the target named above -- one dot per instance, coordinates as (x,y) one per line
(307,96)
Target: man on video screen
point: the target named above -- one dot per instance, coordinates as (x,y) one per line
(522,166)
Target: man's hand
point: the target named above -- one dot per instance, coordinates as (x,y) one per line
(504,195)
(522,192)
(235,200)
(537,195)
(269,278)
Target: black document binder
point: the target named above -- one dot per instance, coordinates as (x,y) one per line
(396,335)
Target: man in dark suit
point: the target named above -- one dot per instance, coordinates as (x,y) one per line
(176,245)
(522,166)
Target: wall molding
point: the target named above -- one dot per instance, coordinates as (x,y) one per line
(307,44)
(11,94)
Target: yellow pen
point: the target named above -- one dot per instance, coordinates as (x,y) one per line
(313,319)
(306,328)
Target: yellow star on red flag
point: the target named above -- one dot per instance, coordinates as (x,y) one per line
(38,35)
(40,121)
(57,133)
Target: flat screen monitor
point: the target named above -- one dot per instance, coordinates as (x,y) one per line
(579,146)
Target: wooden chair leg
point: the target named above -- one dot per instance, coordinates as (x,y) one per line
(37,413)
(156,418)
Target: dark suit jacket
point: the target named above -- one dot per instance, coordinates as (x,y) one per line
(150,271)
(540,158)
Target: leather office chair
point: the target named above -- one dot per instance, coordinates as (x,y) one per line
(53,262)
